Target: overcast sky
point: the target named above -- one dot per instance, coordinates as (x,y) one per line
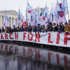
(22,4)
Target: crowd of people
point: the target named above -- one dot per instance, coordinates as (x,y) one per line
(39,28)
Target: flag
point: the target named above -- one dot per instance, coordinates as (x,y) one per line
(32,18)
(28,13)
(4,23)
(18,18)
(21,20)
(51,15)
(6,20)
(29,8)
(55,15)
(45,16)
(64,7)
(57,7)
(36,19)
(63,12)
(57,10)
(40,16)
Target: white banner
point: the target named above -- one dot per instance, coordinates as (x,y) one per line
(51,57)
(49,38)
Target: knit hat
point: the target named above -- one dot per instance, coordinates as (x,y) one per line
(39,24)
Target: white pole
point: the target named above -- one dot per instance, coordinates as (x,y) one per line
(26,12)
(68,16)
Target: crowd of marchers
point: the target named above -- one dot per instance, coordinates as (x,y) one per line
(39,28)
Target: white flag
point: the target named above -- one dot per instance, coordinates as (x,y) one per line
(65,7)
(45,16)
(36,19)
(32,17)
(6,20)
(28,13)
(18,18)
(40,16)
(63,12)
(57,7)
(54,15)
(57,10)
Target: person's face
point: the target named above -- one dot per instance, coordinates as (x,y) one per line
(34,26)
(47,26)
(17,28)
(42,26)
(13,26)
(53,24)
(38,26)
(61,23)
(69,22)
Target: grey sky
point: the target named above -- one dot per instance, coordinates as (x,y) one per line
(16,4)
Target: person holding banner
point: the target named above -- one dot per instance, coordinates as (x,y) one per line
(69,25)
(35,29)
(66,29)
(38,28)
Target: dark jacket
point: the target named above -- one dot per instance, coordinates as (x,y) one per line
(9,31)
(29,29)
(2,30)
(34,29)
(42,29)
(50,27)
(14,29)
(61,28)
(18,29)
(55,28)
(38,29)
(21,29)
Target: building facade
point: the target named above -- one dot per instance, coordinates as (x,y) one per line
(12,16)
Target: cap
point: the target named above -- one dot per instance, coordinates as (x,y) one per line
(39,24)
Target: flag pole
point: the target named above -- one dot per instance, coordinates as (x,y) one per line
(26,12)
(46,3)
(51,14)
(68,15)
(5,17)
(56,14)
